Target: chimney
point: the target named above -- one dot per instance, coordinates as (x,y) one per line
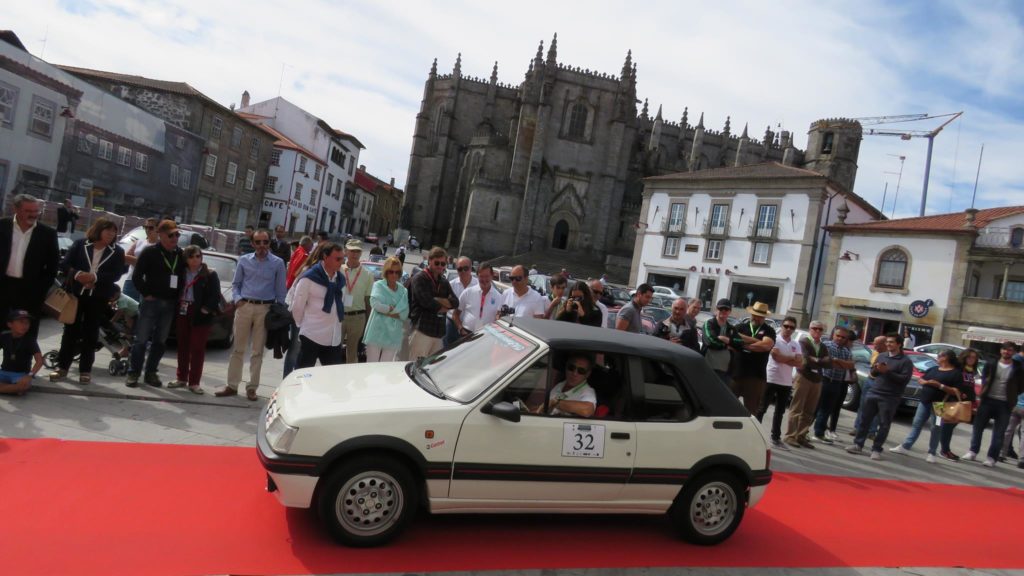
(392,181)
(245,99)
(969,215)
(362,167)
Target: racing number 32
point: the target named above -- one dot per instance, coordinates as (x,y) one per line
(583,440)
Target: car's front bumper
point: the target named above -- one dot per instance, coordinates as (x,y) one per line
(291,478)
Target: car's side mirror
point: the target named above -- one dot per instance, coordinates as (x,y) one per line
(503,410)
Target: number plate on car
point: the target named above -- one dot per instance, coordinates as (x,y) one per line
(583,440)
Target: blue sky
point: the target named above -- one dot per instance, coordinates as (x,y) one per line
(361,66)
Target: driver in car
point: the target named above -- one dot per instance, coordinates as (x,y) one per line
(572,396)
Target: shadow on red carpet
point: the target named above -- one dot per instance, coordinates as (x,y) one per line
(106,508)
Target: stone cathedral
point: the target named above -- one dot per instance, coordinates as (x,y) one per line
(557,162)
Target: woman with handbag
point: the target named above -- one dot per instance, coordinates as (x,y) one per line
(198,306)
(946,384)
(92,265)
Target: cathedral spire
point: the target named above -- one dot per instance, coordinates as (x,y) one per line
(632,76)
(540,55)
(728,126)
(700,123)
(643,113)
(744,136)
(686,118)
(433,69)
(553,51)
(494,73)
(627,66)
(457,71)
(657,117)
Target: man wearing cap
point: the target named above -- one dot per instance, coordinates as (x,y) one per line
(721,340)
(358,284)
(28,260)
(19,349)
(259,282)
(752,361)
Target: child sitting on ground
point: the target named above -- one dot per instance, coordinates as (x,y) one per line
(18,350)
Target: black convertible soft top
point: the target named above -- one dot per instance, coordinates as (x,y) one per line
(715,397)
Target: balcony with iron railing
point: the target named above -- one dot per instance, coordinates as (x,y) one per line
(673,228)
(713,229)
(762,233)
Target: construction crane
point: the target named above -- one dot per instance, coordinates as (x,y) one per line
(908,134)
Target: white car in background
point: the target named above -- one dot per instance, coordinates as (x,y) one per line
(366,445)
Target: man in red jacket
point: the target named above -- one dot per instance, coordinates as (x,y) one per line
(300,255)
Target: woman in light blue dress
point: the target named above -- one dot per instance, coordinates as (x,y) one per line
(389,303)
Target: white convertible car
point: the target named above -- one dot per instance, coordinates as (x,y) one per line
(539,416)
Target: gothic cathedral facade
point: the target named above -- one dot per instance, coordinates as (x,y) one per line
(558,161)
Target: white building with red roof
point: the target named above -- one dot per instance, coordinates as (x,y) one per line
(956,278)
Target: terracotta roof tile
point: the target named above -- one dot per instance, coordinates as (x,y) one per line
(951,222)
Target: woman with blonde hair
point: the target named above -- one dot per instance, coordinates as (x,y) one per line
(389,303)
(92,265)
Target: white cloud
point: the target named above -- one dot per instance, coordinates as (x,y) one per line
(362,66)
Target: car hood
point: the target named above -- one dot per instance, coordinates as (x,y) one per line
(309,393)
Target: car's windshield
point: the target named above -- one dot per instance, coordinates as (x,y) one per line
(922,362)
(224,267)
(466,370)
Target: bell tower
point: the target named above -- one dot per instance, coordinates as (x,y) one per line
(833,145)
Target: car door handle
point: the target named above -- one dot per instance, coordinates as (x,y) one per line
(620,435)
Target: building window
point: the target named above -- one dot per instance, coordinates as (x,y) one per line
(1017,237)
(714,251)
(270,185)
(174,174)
(180,142)
(215,128)
(41,121)
(578,121)
(142,162)
(338,157)
(330,184)
(719,219)
(1015,291)
(202,209)
(766,215)
(231,174)
(671,247)
(497,208)
(744,295)
(254,149)
(892,269)
(106,150)
(124,156)
(312,194)
(250,179)
(676,216)
(186,179)
(8,103)
(337,188)
(275,158)
(211,166)
(827,142)
(236,137)
(298,191)
(302,165)
(85,142)
(351,164)
(761,253)
(317,171)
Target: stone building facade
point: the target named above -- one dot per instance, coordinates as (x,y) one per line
(557,161)
(226,184)
(387,201)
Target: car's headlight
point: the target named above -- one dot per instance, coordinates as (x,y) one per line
(280,435)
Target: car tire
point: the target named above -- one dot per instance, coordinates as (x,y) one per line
(710,508)
(50,360)
(368,501)
(852,399)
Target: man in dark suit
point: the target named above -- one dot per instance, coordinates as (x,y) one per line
(28,260)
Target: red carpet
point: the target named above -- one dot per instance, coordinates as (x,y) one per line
(108,508)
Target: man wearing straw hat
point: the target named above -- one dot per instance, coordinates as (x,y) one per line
(752,363)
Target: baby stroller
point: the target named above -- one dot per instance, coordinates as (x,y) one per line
(115,338)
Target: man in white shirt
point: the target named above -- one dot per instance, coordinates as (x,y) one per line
(28,260)
(572,396)
(464,266)
(479,304)
(131,256)
(597,288)
(527,302)
(318,309)
(783,359)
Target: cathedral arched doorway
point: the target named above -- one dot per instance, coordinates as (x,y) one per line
(560,239)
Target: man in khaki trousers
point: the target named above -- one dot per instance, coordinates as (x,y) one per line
(259,282)
(358,284)
(807,388)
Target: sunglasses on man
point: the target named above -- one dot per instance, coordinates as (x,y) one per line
(581,370)
(515,278)
(174,234)
(789,327)
(261,242)
(463,269)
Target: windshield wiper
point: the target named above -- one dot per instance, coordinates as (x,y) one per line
(417,368)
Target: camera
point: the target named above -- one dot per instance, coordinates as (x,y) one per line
(507,310)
